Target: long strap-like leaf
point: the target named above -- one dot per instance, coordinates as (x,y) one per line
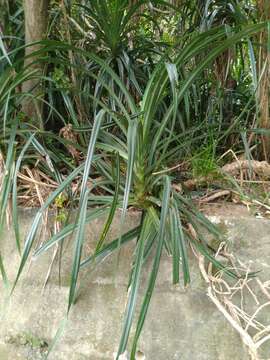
(78,250)
(134,286)
(154,272)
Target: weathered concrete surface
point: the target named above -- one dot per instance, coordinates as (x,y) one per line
(181,324)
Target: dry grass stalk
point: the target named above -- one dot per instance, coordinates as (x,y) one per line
(226,297)
(34,186)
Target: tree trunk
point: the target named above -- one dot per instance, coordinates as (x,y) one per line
(36,21)
(264,75)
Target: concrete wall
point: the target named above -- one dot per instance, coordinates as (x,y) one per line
(181,324)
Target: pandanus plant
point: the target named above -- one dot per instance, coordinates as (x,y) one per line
(132,147)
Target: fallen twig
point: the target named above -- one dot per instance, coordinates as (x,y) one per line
(215,196)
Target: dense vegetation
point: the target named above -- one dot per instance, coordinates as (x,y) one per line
(119,104)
